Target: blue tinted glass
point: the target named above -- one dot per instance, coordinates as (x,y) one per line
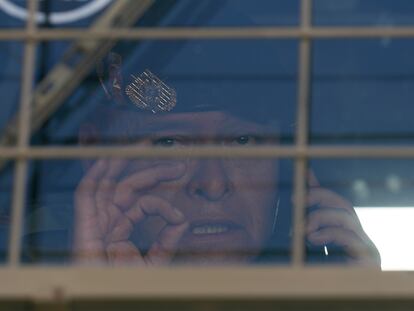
(12,14)
(53,13)
(234,211)
(363,12)
(10,79)
(72,13)
(362,91)
(48,213)
(6,190)
(251,78)
(207,13)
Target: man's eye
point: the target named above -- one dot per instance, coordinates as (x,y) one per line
(244,140)
(165,142)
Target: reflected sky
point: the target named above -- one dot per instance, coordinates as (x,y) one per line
(390,228)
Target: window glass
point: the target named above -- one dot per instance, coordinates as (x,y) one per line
(9,16)
(186,211)
(6,190)
(255,79)
(379,191)
(204,13)
(10,78)
(212,13)
(53,13)
(363,12)
(71,13)
(361,92)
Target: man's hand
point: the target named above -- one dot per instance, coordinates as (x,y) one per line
(107,209)
(335,221)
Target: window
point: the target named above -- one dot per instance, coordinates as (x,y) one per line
(314,93)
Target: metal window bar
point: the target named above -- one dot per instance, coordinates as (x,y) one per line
(302,133)
(19,187)
(229,33)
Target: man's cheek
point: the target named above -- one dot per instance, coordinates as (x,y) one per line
(259,209)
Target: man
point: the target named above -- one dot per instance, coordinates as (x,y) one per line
(195,211)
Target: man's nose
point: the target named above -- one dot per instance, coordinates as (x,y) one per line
(210,181)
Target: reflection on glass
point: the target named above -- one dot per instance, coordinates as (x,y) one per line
(9,18)
(363,12)
(217,13)
(71,13)
(163,211)
(391,229)
(334,234)
(160,212)
(361,92)
(10,78)
(381,192)
(203,73)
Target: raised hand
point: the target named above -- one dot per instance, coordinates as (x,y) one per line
(334,221)
(107,207)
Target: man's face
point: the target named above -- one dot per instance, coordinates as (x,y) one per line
(229,203)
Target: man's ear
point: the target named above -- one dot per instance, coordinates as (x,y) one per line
(88,135)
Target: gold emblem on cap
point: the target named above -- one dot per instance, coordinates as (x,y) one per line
(148,92)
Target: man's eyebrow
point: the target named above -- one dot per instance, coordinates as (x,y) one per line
(166,126)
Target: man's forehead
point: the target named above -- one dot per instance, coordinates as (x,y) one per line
(198,121)
(175,119)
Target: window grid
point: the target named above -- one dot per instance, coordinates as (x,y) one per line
(280,32)
(302,137)
(23,134)
(373,284)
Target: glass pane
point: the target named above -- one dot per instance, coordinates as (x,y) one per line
(11,12)
(6,190)
(182,13)
(363,12)
(254,79)
(374,193)
(161,211)
(362,92)
(72,13)
(53,13)
(10,79)
(218,13)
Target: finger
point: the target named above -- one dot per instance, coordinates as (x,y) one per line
(362,250)
(330,217)
(145,206)
(124,253)
(147,178)
(114,174)
(88,243)
(326,198)
(155,206)
(312,180)
(105,193)
(164,249)
(85,194)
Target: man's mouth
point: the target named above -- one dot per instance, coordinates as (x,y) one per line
(210,229)
(214,237)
